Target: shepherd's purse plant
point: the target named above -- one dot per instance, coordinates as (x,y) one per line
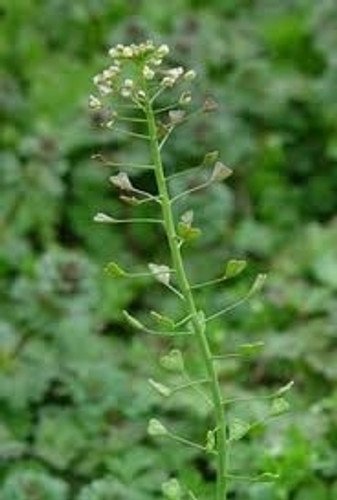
(139,95)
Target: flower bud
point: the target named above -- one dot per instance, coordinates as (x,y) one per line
(190,75)
(148,73)
(94,102)
(113,52)
(141,95)
(185,98)
(128,83)
(127,52)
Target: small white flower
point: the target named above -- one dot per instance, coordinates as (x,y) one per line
(149,45)
(167,81)
(128,52)
(113,70)
(113,52)
(141,94)
(104,89)
(94,102)
(163,50)
(125,92)
(156,61)
(128,83)
(106,75)
(185,98)
(176,72)
(97,79)
(148,73)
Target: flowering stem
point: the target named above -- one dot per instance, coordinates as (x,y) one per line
(190,305)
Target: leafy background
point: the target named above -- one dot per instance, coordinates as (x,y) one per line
(74,397)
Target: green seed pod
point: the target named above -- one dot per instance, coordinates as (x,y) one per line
(279,406)
(172,489)
(173,361)
(156,428)
(234,267)
(162,389)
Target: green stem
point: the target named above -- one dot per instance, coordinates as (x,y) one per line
(191,308)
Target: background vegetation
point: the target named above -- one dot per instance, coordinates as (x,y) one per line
(74,397)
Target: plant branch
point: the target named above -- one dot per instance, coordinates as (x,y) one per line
(191,308)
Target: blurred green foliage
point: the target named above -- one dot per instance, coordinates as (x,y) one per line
(74,400)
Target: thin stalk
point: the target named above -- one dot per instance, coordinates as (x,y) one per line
(191,308)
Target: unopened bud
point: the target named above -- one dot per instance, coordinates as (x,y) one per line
(190,75)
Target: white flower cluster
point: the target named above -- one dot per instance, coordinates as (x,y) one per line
(131,66)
